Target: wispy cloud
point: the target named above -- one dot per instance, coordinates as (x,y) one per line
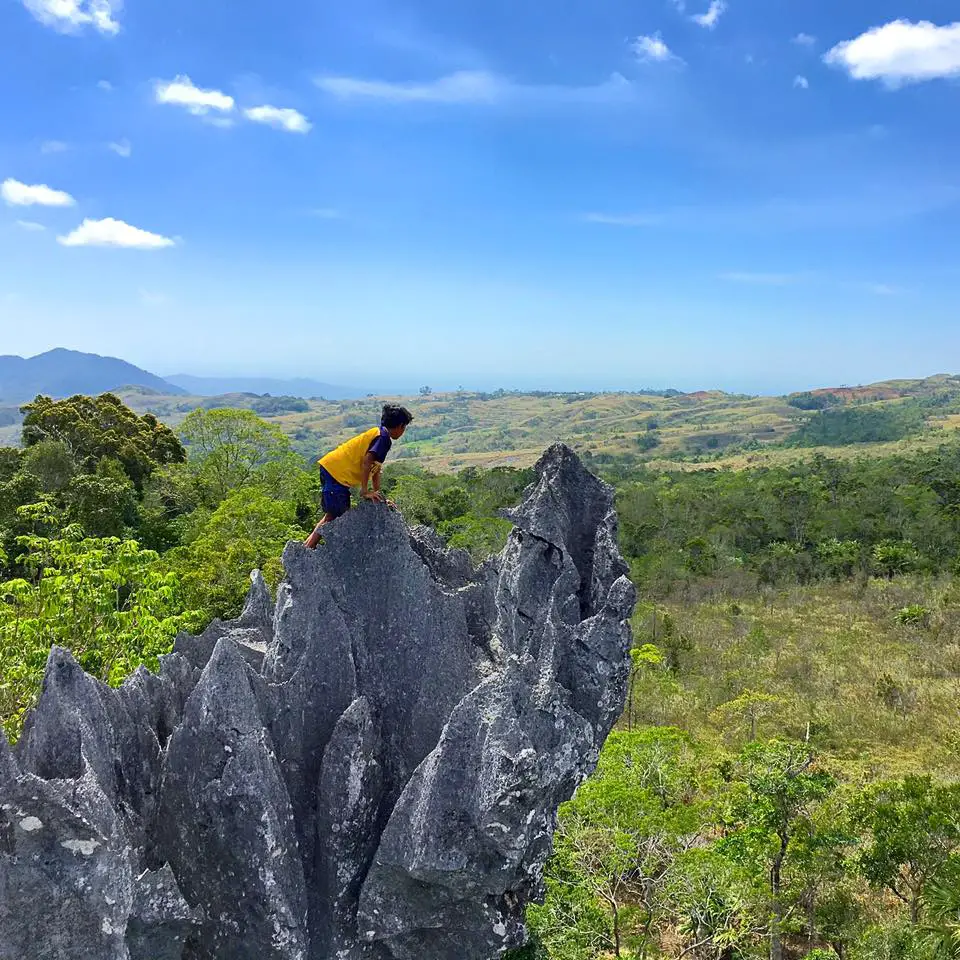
(72,16)
(416,44)
(30,226)
(900,52)
(623,219)
(281,118)
(808,278)
(652,48)
(54,146)
(105,85)
(852,210)
(762,279)
(804,40)
(114,233)
(472,87)
(17,194)
(325,213)
(801,82)
(150,298)
(466,86)
(711,18)
(883,289)
(122,148)
(182,92)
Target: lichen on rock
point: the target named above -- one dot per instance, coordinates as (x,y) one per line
(368,769)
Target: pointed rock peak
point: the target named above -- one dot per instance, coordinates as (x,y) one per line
(8,763)
(380,783)
(571,509)
(258,609)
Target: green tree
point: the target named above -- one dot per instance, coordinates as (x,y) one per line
(747,712)
(230,449)
(106,600)
(247,531)
(713,903)
(92,428)
(104,503)
(481,537)
(620,834)
(776,787)
(51,463)
(912,833)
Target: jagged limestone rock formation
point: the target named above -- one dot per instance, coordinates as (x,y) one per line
(367,770)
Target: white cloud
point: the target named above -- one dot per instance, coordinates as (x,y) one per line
(122,148)
(54,146)
(801,83)
(30,226)
(326,213)
(18,194)
(71,16)
(652,48)
(712,17)
(900,52)
(624,219)
(280,117)
(804,40)
(114,233)
(474,87)
(182,92)
(105,85)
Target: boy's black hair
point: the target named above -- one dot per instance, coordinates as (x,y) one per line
(394,416)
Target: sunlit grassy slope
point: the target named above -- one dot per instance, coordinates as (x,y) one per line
(689,431)
(869,671)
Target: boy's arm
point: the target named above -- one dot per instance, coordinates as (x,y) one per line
(371,468)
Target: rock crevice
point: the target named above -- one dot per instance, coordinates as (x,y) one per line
(367,769)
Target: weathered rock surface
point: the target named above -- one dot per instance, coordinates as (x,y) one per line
(367,770)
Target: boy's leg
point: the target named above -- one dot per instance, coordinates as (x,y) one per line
(311,542)
(335,502)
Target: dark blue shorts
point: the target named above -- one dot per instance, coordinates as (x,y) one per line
(336,497)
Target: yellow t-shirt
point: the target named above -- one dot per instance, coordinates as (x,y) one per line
(345,464)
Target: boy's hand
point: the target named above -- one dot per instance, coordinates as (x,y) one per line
(374,496)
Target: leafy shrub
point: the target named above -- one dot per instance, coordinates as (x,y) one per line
(892,558)
(914,615)
(481,537)
(113,605)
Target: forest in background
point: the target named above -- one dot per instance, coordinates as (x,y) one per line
(783,782)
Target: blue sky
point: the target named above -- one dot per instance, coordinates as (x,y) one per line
(597,194)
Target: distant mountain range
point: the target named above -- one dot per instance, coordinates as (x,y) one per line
(298,387)
(63,373)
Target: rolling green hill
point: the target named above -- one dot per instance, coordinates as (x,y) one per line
(618,430)
(690,431)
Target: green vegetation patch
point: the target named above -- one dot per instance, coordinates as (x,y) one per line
(874,424)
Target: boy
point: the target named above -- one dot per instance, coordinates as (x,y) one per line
(355,464)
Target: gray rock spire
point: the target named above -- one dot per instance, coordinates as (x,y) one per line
(367,770)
